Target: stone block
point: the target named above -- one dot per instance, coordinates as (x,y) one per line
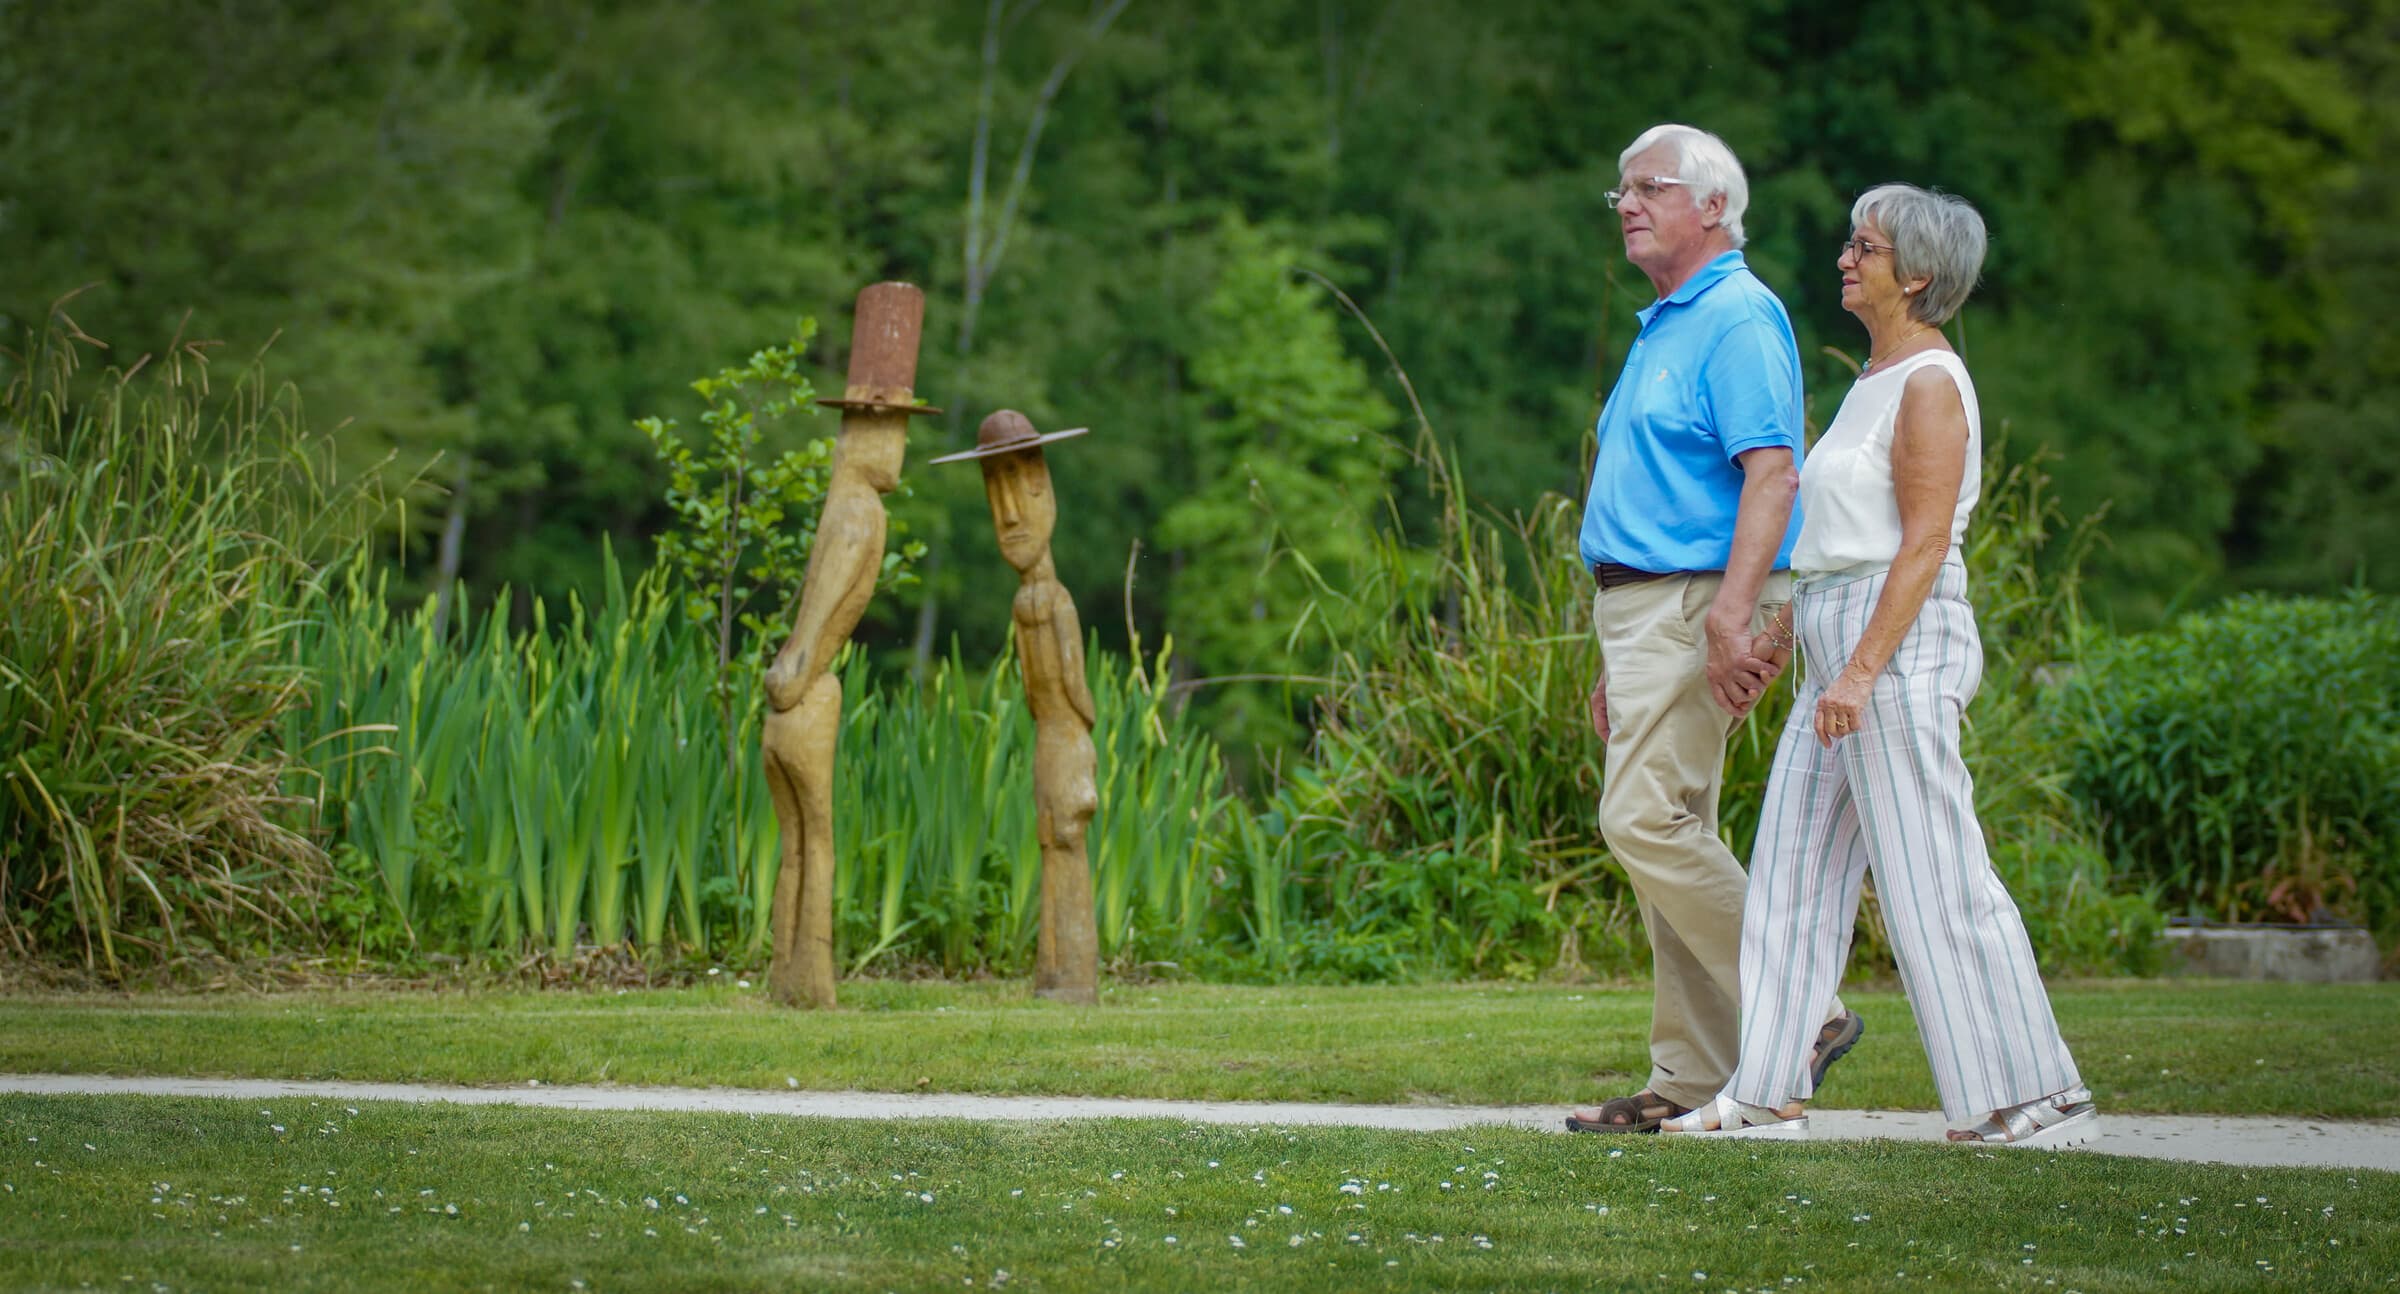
(2290,954)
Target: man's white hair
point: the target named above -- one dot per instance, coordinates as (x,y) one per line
(1705,161)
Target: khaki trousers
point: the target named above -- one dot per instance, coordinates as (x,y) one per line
(1658,813)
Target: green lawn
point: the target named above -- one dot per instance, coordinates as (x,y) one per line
(147,1193)
(2162,1047)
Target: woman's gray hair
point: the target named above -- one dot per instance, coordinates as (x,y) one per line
(1705,161)
(1937,235)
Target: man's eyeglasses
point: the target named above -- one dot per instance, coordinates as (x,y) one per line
(1649,188)
(1860,249)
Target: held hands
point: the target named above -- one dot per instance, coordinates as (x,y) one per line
(1775,645)
(1843,708)
(1741,664)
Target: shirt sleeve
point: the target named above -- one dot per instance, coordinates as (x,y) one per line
(1750,387)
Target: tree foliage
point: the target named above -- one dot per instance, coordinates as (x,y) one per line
(1289,455)
(489,237)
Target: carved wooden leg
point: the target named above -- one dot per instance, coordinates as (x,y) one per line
(777,736)
(823,720)
(1045,934)
(798,745)
(1067,956)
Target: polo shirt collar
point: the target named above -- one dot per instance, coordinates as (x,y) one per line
(1725,263)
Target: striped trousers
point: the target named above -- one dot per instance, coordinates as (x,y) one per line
(1894,798)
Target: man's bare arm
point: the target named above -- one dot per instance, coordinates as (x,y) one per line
(1737,677)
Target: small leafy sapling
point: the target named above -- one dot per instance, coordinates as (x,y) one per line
(744,522)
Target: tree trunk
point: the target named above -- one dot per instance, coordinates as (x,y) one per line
(982,255)
(446,558)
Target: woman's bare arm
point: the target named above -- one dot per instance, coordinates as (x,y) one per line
(1929,460)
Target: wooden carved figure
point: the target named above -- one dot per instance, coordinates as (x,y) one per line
(804,697)
(1050,650)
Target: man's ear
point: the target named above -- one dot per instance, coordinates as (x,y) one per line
(1712,211)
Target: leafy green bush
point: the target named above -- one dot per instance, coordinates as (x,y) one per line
(159,545)
(2246,759)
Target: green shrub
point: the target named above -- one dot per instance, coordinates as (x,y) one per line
(159,544)
(2246,760)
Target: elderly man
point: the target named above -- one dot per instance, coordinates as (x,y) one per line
(1689,528)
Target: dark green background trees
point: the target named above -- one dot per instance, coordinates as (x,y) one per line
(500,234)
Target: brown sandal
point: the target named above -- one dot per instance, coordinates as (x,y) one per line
(1641,1112)
(1834,1041)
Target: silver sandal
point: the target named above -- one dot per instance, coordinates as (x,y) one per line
(1737,1119)
(2064,1119)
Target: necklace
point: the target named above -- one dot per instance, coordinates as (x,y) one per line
(1905,338)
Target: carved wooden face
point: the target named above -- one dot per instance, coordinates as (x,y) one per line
(1023,510)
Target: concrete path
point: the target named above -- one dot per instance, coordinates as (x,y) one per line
(2199,1139)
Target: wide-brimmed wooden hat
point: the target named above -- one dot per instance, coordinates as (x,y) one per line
(1007,432)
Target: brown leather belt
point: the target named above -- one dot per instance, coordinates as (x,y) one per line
(1617,575)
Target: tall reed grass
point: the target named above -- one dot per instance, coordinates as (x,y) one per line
(160,537)
(1444,821)
(564,787)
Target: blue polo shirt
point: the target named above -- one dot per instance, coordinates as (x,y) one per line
(1714,373)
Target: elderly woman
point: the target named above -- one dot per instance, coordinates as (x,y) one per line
(1868,774)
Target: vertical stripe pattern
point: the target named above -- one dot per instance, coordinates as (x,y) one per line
(1894,798)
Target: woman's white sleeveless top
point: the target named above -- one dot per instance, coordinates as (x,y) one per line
(1850,509)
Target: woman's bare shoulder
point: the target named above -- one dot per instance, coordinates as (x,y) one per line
(1936,381)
